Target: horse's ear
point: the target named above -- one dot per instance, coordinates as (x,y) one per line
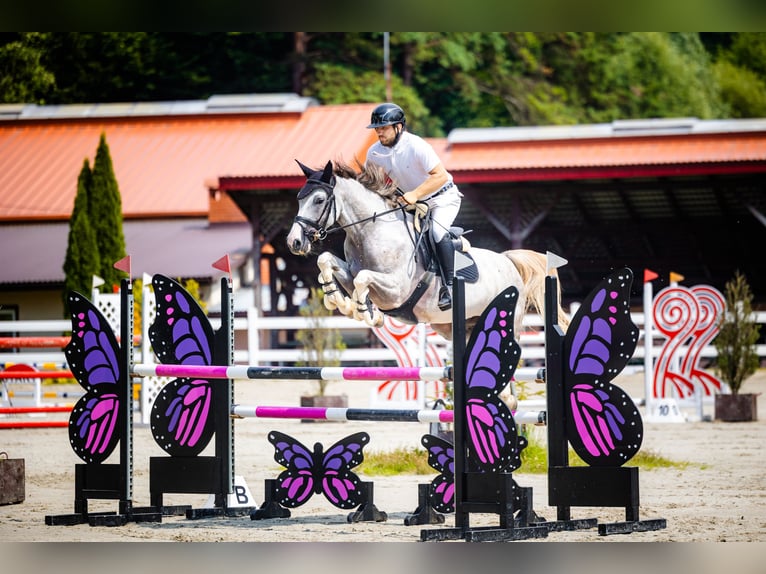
(327,173)
(308,172)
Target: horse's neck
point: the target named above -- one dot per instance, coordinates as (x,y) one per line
(374,229)
(356,204)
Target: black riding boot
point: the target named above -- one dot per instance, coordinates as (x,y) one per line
(445,253)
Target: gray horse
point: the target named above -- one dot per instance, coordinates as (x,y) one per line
(383,270)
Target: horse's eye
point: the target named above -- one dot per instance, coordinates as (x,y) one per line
(318,199)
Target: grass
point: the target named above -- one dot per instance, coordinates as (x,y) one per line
(399,461)
(534,461)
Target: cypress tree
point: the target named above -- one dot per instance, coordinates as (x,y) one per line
(82,259)
(105,208)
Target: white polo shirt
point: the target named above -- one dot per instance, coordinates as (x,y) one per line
(408,162)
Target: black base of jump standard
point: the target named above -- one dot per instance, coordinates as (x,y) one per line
(493,493)
(424,513)
(599,486)
(103,482)
(191,475)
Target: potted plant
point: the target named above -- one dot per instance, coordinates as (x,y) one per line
(321,348)
(737,358)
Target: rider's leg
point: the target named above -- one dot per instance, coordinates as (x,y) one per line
(443,211)
(445,252)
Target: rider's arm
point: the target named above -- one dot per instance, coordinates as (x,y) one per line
(436,179)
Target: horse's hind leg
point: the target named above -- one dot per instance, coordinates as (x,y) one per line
(330,269)
(387,287)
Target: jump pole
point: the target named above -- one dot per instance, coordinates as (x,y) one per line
(240,372)
(29,410)
(348,414)
(32,424)
(37,375)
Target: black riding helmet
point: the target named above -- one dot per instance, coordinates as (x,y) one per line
(387,114)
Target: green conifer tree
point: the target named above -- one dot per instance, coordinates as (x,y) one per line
(82,259)
(105,209)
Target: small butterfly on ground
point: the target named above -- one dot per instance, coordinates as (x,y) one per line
(314,472)
(441,457)
(181,419)
(491,354)
(93,357)
(604,426)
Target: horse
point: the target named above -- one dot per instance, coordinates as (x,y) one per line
(383,271)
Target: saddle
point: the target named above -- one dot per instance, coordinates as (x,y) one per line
(426,251)
(422,221)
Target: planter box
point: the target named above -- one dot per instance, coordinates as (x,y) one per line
(326,401)
(736,408)
(12,480)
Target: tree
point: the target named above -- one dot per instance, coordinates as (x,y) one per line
(737,335)
(82,259)
(105,210)
(321,346)
(23,78)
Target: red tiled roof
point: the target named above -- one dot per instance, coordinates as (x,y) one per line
(589,157)
(166,164)
(163,164)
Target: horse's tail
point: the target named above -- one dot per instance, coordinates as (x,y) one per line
(533,267)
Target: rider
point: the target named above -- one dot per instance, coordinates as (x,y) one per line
(412,163)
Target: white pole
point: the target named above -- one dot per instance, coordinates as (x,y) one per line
(253,336)
(387,66)
(648,347)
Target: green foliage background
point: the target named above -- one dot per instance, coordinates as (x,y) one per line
(443,80)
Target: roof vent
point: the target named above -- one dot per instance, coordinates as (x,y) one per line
(654,126)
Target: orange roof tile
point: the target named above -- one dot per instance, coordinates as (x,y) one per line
(163,164)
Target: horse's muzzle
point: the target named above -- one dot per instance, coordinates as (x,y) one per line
(296,247)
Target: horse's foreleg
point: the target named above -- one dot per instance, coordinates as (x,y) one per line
(330,269)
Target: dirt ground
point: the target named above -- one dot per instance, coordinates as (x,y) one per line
(720,497)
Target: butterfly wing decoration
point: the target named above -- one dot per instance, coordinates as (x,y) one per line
(181,419)
(317,472)
(441,457)
(492,354)
(603,424)
(93,357)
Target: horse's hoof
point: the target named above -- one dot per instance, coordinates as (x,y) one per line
(329,304)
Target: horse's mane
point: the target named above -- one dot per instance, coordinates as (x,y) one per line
(369,175)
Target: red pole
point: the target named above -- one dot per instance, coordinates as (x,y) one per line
(36,375)
(23,410)
(33,424)
(42,342)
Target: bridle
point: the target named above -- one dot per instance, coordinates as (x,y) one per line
(317,229)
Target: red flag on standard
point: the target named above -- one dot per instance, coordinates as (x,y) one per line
(649,275)
(124,265)
(223,264)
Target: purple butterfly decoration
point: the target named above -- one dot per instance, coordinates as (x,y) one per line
(181,420)
(491,358)
(604,426)
(318,472)
(92,355)
(441,457)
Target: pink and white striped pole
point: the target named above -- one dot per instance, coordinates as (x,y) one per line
(348,414)
(309,373)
